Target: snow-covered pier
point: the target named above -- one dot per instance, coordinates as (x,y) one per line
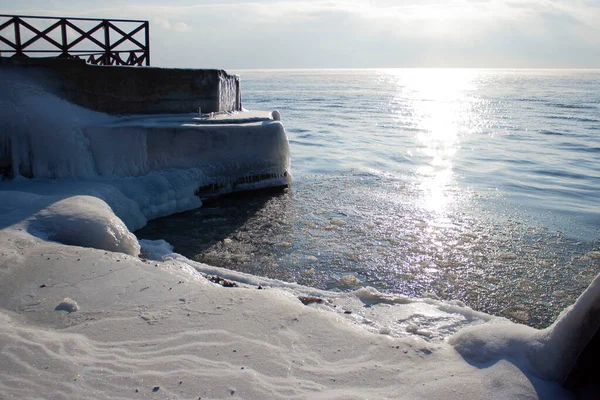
(64,119)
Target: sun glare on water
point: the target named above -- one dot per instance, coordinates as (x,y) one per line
(441,113)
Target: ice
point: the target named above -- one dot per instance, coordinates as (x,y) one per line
(47,137)
(552,353)
(144,324)
(84,221)
(564,341)
(155,249)
(68,305)
(76,220)
(143,167)
(158,321)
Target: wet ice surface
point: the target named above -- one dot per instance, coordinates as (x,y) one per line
(345,231)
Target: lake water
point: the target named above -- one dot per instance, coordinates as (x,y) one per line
(476,185)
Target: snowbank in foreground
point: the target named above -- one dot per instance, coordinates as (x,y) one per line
(161,329)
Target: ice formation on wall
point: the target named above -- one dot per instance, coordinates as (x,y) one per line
(143,167)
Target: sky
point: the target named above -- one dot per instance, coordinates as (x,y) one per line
(237,34)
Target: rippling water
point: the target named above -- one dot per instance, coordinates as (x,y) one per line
(478,185)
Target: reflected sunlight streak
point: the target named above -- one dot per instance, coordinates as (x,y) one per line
(441,109)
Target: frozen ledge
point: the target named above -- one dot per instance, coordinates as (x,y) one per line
(197,119)
(227,146)
(143,166)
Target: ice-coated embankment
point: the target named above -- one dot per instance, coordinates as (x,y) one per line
(142,167)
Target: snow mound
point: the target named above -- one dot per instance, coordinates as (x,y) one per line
(84,221)
(556,353)
(155,249)
(68,305)
(489,342)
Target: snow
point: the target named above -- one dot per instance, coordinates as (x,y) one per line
(149,318)
(68,305)
(144,323)
(84,221)
(155,249)
(143,167)
(48,137)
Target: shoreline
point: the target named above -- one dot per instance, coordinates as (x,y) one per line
(143,323)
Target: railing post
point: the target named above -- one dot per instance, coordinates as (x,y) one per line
(64,43)
(106,43)
(147,52)
(18,50)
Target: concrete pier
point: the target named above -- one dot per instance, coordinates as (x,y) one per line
(133,90)
(54,124)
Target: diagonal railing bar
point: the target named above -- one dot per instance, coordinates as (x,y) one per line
(127,36)
(105,54)
(41,35)
(132,58)
(11,44)
(8,23)
(86,35)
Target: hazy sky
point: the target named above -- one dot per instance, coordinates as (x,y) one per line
(234,34)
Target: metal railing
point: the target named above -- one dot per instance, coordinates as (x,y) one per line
(64,37)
